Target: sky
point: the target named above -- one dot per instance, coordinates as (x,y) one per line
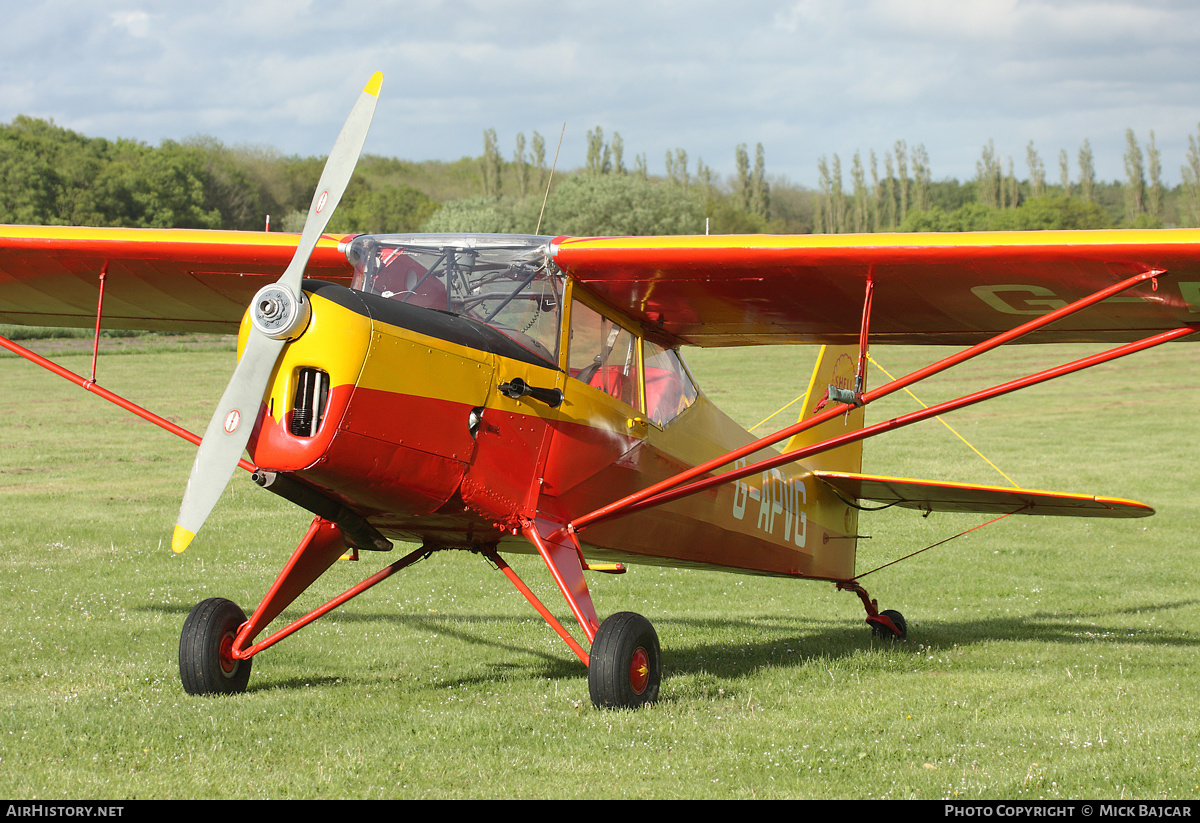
(806,78)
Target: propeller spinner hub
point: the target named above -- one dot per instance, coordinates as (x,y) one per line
(278,313)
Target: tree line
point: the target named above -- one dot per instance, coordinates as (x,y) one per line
(996,199)
(524,193)
(54,176)
(51,175)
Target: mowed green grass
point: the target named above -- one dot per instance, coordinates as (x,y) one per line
(1047,658)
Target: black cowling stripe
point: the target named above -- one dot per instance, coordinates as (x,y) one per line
(442,325)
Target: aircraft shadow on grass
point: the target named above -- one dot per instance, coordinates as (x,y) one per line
(790,642)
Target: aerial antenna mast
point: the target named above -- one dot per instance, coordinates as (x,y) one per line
(553,166)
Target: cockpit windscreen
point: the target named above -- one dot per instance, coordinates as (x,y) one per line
(507,282)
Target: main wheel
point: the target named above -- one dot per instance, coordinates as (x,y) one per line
(625,664)
(206,661)
(884,633)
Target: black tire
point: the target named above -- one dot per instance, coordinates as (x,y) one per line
(625,664)
(205,665)
(884,633)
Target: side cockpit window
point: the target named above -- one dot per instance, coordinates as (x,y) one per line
(604,355)
(669,388)
(651,378)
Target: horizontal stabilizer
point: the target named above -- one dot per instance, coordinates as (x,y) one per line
(933,495)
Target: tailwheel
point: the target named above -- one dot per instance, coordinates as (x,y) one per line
(625,663)
(897,631)
(206,661)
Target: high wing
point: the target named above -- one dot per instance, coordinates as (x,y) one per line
(156,279)
(955,289)
(947,288)
(936,496)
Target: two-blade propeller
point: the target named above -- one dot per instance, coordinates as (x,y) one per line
(278,313)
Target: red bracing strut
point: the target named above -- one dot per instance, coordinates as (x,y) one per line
(116,399)
(905,420)
(656,494)
(317,551)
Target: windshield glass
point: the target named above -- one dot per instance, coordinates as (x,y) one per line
(507,282)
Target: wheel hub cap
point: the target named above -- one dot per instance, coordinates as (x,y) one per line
(639,671)
(228,664)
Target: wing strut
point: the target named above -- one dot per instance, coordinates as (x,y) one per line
(854,397)
(673,488)
(116,399)
(99,314)
(860,373)
(905,420)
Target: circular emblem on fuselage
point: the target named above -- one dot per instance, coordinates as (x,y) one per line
(321,201)
(232,420)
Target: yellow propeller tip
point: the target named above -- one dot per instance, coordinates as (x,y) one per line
(181,539)
(372,87)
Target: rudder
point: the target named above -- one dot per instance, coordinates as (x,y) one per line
(835,366)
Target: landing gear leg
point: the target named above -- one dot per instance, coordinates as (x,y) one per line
(625,665)
(886,624)
(206,661)
(625,662)
(897,631)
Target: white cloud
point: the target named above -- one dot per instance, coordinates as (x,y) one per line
(135,23)
(805,78)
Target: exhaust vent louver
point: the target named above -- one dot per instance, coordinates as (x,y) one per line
(308,407)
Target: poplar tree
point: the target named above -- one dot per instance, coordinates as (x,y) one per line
(902,172)
(677,167)
(760,190)
(1037,171)
(1154,195)
(833,197)
(599,159)
(704,177)
(522,164)
(822,215)
(839,196)
(1010,184)
(876,193)
(491,164)
(742,161)
(1087,172)
(1135,176)
(618,153)
(987,169)
(858,179)
(539,158)
(890,194)
(1064,170)
(921,178)
(1191,180)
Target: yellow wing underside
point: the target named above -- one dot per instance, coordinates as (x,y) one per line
(932,495)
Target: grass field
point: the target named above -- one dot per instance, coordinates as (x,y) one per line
(1046,659)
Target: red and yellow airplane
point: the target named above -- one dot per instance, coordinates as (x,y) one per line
(527,394)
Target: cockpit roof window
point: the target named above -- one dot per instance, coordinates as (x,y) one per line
(508,282)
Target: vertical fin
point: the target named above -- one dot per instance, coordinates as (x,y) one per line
(835,366)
